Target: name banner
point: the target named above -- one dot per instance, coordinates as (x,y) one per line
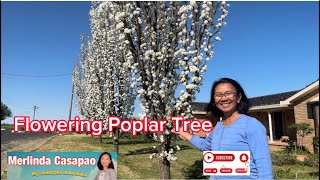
(58,165)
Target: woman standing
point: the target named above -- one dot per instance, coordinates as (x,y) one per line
(236,131)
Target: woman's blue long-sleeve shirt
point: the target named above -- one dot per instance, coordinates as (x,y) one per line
(244,134)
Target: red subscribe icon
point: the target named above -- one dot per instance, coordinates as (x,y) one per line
(223,157)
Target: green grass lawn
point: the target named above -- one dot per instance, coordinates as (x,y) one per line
(133,158)
(296,172)
(7,126)
(134,161)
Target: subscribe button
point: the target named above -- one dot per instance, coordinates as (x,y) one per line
(210,157)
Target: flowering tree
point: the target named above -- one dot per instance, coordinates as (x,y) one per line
(89,91)
(102,78)
(167,46)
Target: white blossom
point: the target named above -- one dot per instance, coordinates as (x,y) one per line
(127,55)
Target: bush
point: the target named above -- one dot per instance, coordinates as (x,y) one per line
(311,160)
(284,174)
(289,174)
(315,142)
(291,147)
(283,159)
(294,148)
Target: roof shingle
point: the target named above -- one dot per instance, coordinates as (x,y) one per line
(255,101)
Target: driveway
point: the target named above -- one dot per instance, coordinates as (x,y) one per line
(20,142)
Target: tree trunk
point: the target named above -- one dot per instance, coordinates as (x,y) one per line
(164,169)
(100,139)
(301,143)
(116,142)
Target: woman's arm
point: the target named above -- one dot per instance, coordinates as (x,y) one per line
(202,144)
(259,149)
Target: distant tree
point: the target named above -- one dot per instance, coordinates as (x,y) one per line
(302,129)
(5,112)
(102,78)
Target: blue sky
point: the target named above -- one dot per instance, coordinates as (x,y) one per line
(269,47)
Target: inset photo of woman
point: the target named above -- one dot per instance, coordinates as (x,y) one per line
(106,168)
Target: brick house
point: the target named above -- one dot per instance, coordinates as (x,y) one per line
(277,111)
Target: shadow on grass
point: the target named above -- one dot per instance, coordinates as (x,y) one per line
(142,151)
(152,150)
(131,142)
(194,171)
(314,174)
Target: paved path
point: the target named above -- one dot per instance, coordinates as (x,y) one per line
(20,142)
(7,137)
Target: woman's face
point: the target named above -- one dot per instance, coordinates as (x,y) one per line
(226,98)
(105,160)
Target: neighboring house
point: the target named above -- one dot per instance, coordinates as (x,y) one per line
(277,111)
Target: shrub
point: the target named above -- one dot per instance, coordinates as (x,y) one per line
(289,174)
(311,160)
(284,174)
(294,148)
(302,129)
(315,142)
(291,147)
(283,159)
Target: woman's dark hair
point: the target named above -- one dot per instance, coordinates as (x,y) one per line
(111,166)
(242,107)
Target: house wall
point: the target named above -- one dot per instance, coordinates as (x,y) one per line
(301,116)
(263,118)
(288,119)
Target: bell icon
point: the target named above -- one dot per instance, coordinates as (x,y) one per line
(244,157)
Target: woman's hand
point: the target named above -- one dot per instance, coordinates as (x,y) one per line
(182,134)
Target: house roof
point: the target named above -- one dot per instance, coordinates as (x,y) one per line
(307,90)
(315,99)
(269,101)
(198,106)
(255,101)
